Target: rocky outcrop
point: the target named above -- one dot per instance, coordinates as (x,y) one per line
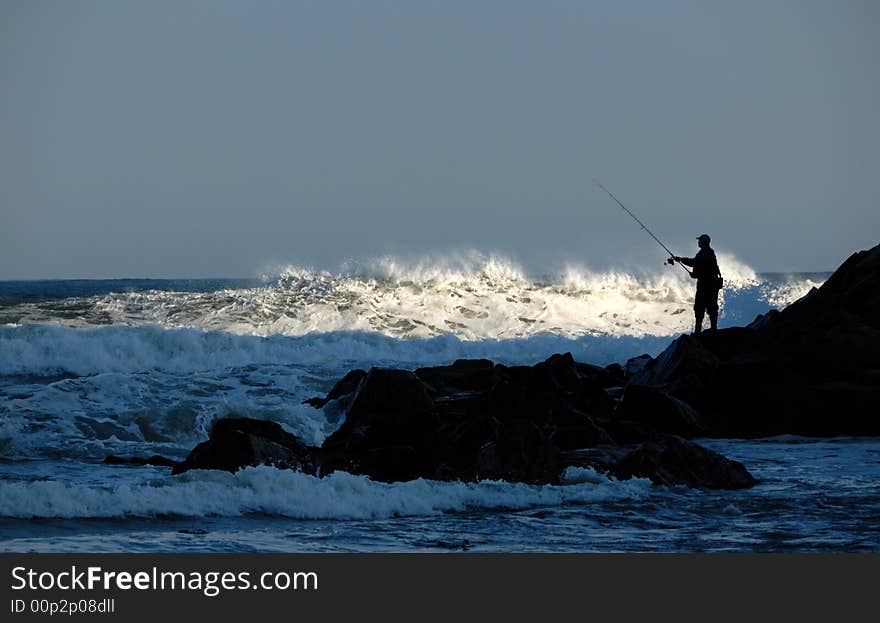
(474,420)
(674,461)
(811,369)
(240,442)
(445,423)
(654,407)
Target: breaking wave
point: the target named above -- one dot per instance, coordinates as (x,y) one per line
(266,490)
(473,298)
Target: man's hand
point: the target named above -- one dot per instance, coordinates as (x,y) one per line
(672,260)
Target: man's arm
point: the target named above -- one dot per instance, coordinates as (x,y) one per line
(687,261)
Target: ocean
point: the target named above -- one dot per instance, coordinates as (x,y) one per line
(136,367)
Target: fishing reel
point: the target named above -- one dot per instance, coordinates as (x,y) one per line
(670,261)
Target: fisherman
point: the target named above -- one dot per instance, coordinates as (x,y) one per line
(709,282)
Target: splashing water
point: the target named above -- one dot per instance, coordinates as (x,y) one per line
(473,298)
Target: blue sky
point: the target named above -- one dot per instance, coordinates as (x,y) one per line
(169,139)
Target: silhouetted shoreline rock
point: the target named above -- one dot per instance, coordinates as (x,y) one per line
(239,442)
(812,369)
(675,461)
(476,420)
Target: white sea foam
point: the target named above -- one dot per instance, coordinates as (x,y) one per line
(293,494)
(50,349)
(141,387)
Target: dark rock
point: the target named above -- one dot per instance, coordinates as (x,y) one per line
(601,458)
(763,320)
(799,371)
(389,393)
(349,384)
(559,373)
(155,460)
(387,431)
(466,421)
(469,421)
(518,451)
(240,442)
(636,364)
(855,408)
(664,413)
(616,375)
(578,430)
(674,461)
(685,358)
(516,396)
(629,431)
(464,375)
(388,463)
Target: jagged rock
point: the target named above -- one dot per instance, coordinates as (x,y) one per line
(674,461)
(601,458)
(799,371)
(518,451)
(659,410)
(636,364)
(240,442)
(685,358)
(464,375)
(615,374)
(573,430)
(348,385)
(388,393)
(470,420)
(387,429)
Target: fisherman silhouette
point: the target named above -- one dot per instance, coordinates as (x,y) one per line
(709,282)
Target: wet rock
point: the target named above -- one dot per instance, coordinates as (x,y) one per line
(674,461)
(466,421)
(798,371)
(387,430)
(518,451)
(616,375)
(662,412)
(577,430)
(629,431)
(241,442)
(389,394)
(636,364)
(349,384)
(464,375)
(601,458)
(686,358)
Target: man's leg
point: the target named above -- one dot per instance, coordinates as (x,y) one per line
(699,310)
(712,308)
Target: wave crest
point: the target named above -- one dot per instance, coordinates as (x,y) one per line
(471,296)
(266,490)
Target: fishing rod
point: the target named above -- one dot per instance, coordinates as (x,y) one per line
(636,219)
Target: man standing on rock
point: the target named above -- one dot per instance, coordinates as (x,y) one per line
(709,282)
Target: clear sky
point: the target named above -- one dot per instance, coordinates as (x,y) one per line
(216,138)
